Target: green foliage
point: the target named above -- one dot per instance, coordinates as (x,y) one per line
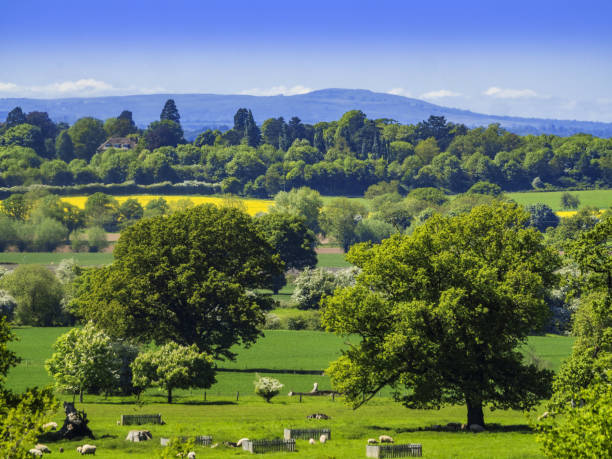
(38,294)
(83,358)
(173,366)
(433,196)
(163,133)
(312,285)
(156,208)
(170,112)
(87,135)
(541,217)
(569,201)
(339,220)
(64,148)
(373,230)
(177,448)
(583,430)
(441,314)
(302,202)
(191,277)
(102,210)
(16,206)
(485,188)
(267,388)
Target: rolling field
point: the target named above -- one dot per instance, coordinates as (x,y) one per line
(253,206)
(53,258)
(228,419)
(602,199)
(278,350)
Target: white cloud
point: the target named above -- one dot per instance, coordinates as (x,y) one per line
(7,87)
(399,92)
(277,90)
(440,94)
(502,93)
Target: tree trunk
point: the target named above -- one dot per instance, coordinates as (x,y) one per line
(81,395)
(169,395)
(475,414)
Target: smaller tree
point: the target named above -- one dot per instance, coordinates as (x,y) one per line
(339,220)
(173,366)
(542,216)
(170,112)
(569,201)
(313,284)
(267,388)
(83,357)
(38,295)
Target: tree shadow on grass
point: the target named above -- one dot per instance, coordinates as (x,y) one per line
(456,428)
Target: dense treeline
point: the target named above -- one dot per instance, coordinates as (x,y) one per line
(342,157)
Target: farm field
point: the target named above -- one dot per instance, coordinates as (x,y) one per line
(53,258)
(228,419)
(279,349)
(602,199)
(253,206)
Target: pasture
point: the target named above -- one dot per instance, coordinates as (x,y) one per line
(228,419)
(602,199)
(54,258)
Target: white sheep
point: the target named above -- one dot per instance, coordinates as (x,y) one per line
(372,441)
(87,449)
(312,441)
(50,426)
(241,441)
(35,452)
(385,439)
(191,455)
(323,438)
(42,448)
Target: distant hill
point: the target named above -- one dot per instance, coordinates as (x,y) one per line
(200,111)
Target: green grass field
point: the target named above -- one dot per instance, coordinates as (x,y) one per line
(602,199)
(332,260)
(227,418)
(53,258)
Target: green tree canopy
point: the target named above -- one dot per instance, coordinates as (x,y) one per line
(38,294)
(300,201)
(173,367)
(441,314)
(170,112)
(87,134)
(83,357)
(190,277)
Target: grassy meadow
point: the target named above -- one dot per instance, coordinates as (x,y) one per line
(602,199)
(53,258)
(228,419)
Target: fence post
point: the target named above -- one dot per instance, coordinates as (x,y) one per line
(237,395)
(204,395)
(300,398)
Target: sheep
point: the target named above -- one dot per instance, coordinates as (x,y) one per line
(86,449)
(372,441)
(385,439)
(191,455)
(312,441)
(35,452)
(50,426)
(42,448)
(241,441)
(323,438)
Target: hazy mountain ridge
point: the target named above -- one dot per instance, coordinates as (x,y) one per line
(204,110)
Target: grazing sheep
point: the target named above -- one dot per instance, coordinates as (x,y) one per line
(191,455)
(323,438)
(87,449)
(312,441)
(241,441)
(35,452)
(42,448)
(372,441)
(385,439)
(50,426)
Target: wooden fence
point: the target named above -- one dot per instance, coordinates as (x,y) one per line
(202,440)
(406,450)
(138,419)
(305,434)
(269,446)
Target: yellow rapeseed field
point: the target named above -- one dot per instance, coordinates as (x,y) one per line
(252,206)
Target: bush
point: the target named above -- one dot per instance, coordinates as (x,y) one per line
(96,238)
(267,388)
(78,241)
(312,284)
(48,234)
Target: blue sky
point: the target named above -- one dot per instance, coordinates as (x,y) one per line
(529,58)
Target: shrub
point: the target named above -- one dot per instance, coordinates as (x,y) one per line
(96,237)
(267,388)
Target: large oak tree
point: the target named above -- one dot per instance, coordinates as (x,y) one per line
(441,314)
(191,277)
